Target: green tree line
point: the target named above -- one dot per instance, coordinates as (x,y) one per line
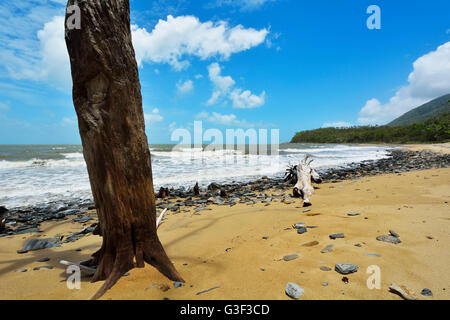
(432,130)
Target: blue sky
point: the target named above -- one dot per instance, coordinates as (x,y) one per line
(278,64)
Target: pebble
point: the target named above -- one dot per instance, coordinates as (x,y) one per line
(390,239)
(327,249)
(39,244)
(336,236)
(353,214)
(178,284)
(302,230)
(323,268)
(43,260)
(394,234)
(346,268)
(426,292)
(291,257)
(43,267)
(21,270)
(293,290)
(372,255)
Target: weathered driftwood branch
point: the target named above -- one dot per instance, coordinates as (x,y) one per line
(305,176)
(158,222)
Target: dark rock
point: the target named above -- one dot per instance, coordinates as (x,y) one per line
(426,292)
(290,257)
(302,230)
(178,284)
(390,239)
(39,244)
(43,260)
(345,268)
(336,236)
(43,267)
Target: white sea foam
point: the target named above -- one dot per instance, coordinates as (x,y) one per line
(38,180)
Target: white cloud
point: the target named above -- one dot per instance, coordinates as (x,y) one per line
(244,4)
(172,40)
(223,119)
(153,117)
(429,79)
(337,124)
(224,88)
(185,87)
(51,64)
(198,76)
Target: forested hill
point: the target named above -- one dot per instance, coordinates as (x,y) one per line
(432,130)
(427,111)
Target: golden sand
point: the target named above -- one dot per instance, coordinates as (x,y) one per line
(225,248)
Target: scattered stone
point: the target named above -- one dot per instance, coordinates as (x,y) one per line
(43,267)
(302,230)
(43,260)
(293,290)
(291,257)
(178,284)
(372,255)
(265,238)
(353,214)
(345,280)
(426,292)
(298,225)
(39,244)
(311,244)
(327,249)
(325,284)
(394,234)
(323,268)
(336,236)
(390,239)
(21,270)
(403,292)
(346,268)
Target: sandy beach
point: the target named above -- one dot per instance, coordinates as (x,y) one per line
(239,250)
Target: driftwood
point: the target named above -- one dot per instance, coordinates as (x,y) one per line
(304,175)
(158,222)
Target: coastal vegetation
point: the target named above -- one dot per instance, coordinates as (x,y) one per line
(436,129)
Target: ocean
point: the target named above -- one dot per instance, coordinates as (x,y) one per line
(37,174)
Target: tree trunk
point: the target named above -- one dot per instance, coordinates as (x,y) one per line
(107,98)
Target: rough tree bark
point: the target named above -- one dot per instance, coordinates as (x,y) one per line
(108,103)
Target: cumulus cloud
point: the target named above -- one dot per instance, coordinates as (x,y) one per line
(224,89)
(51,64)
(153,117)
(176,38)
(172,41)
(223,119)
(337,124)
(185,87)
(429,79)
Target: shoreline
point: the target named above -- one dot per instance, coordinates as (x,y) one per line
(248,240)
